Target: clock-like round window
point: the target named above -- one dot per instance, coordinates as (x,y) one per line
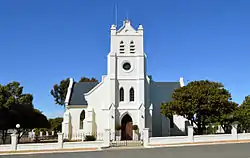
(126,66)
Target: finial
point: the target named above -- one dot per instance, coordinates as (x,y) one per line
(140,27)
(113,27)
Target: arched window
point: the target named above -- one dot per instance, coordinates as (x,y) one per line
(121,94)
(132,47)
(122,47)
(82,117)
(131,94)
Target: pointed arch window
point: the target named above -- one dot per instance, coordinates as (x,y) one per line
(131,94)
(122,47)
(132,47)
(82,117)
(121,94)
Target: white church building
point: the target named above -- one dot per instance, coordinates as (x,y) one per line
(126,96)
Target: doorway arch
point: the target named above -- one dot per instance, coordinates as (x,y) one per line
(126,131)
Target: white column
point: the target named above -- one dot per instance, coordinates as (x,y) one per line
(234,132)
(112,117)
(106,138)
(191,133)
(66,125)
(145,137)
(135,135)
(60,140)
(150,119)
(41,133)
(89,122)
(141,118)
(14,141)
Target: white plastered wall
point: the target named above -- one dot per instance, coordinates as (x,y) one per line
(98,100)
(75,113)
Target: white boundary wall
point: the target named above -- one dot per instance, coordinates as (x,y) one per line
(5,148)
(90,144)
(169,140)
(243,136)
(58,145)
(152,141)
(37,146)
(212,138)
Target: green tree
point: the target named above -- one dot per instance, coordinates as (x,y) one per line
(17,108)
(201,102)
(59,91)
(56,124)
(242,114)
(85,79)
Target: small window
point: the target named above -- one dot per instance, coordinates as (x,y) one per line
(122,47)
(121,94)
(132,94)
(132,47)
(82,117)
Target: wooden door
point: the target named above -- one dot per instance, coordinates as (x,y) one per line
(129,131)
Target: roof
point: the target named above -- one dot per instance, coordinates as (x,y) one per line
(166,88)
(172,85)
(77,94)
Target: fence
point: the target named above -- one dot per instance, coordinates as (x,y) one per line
(38,139)
(7,139)
(58,144)
(84,136)
(159,141)
(107,141)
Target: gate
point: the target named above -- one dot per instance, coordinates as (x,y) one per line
(117,142)
(129,143)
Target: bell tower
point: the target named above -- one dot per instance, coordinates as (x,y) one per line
(126,64)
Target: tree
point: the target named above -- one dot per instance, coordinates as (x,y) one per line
(85,79)
(56,124)
(59,91)
(17,108)
(242,114)
(201,102)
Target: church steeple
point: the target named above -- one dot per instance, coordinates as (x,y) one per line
(126,50)
(126,29)
(126,34)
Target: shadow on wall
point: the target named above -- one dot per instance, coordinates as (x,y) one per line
(175,131)
(117,118)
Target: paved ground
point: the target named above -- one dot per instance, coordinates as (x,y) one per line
(208,151)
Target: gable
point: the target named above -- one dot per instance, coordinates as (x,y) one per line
(127,29)
(77,95)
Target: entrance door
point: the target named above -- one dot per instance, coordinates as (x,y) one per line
(127,131)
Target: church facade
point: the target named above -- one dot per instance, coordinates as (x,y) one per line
(126,96)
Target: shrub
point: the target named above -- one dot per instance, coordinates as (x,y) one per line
(90,138)
(135,127)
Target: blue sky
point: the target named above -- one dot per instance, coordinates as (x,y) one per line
(43,42)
